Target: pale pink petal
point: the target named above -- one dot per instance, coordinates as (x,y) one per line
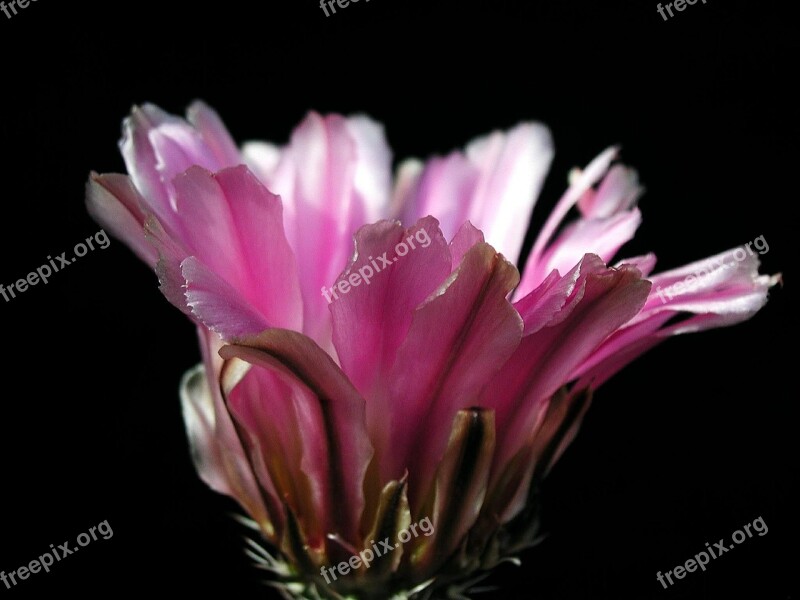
(114,202)
(330,179)
(494,184)
(214,133)
(373,173)
(598,232)
(443,189)
(603,237)
(715,292)
(141,159)
(512,170)
(645,263)
(726,283)
(618,192)
(262,158)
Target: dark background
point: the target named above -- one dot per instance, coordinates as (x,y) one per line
(690,443)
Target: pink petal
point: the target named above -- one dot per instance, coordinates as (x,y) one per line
(141,159)
(331,178)
(608,220)
(336,417)
(113,201)
(234,227)
(618,192)
(214,133)
(216,304)
(714,292)
(458,339)
(494,184)
(371,320)
(602,301)
(603,237)
(216,448)
(466,237)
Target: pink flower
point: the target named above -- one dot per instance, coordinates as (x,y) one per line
(444,385)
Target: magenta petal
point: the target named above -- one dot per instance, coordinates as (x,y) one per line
(234,226)
(283,422)
(384,297)
(217,465)
(461,481)
(337,417)
(458,339)
(542,305)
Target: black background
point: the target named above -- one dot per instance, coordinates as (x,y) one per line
(690,443)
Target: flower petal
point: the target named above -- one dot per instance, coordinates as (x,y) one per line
(371,320)
(331,179)
(114,202)
(458,339)
(608,220)
(214,133)
(603,300)
(216,448)
(461,481)
(337,416)
(714,292)
(494,184)
(234,228)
